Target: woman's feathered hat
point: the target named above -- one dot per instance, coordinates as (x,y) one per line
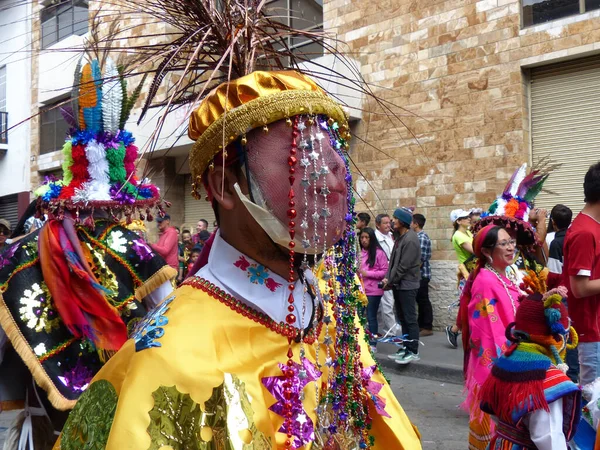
(99,168)
(511,208)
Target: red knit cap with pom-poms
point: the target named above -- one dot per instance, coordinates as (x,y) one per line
(531,316)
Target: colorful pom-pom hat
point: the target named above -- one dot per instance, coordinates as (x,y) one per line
(511,209)
(99,154)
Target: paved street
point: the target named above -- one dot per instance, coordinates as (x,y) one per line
(431,405)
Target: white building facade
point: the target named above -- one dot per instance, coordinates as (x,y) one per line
(15,108)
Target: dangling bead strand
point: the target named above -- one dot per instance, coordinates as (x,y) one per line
(291,317)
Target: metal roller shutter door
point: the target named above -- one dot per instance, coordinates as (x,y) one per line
(196,209)
(565,126)
(9,209)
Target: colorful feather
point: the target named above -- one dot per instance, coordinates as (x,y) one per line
(69,116)
(112,98)
(515,181)
(93,114)
(87,94)
(530,188)
(129,102)
(75,92)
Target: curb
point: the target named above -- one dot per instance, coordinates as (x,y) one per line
(446,373)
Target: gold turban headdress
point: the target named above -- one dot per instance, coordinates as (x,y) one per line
(255,100)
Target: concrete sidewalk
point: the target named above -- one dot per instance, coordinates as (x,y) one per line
(439,361)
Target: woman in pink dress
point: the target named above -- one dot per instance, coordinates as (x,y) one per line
(373,267)
(488,305)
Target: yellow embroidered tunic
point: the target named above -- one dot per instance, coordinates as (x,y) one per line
(193,378)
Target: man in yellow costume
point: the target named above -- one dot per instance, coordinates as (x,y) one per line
(261,348)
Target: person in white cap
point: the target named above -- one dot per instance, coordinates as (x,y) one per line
(462,241)
(462,238)
(475,215)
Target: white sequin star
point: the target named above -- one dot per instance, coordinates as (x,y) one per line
(304,225)
(301,419)
(325,191)
(325,212)
(305,182)
(313,155)
(324,170)
(301,126)
(314,175)
(305,243)
(315,217)
(304,162)
(319,136)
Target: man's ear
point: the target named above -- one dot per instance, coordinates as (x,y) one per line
(220,182)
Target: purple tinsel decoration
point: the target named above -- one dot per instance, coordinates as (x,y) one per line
(302,427)
(78,378)
(50,179)
(120,195)
(108,140)
(143,250)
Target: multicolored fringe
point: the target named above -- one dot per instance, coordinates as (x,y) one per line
(520,372)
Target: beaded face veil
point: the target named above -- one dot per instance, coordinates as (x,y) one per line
(312,200)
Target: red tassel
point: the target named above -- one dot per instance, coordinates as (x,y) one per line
(505,397)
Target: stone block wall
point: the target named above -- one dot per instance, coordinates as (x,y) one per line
(454,75)
(443,292)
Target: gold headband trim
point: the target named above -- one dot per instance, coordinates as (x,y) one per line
(258,113)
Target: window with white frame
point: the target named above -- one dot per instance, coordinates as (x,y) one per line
(299,14)
(53,128)
(541,11)
(63,18)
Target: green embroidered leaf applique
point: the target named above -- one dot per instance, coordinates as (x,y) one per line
(88,426)
(174,420)
(226,423)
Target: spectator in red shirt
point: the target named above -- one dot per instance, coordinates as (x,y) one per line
(168,242)
(581,273)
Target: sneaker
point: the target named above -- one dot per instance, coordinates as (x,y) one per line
(408,357)
(397,356)
(452,337)
(425,332)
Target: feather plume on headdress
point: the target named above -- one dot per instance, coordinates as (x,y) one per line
(211,42)
(515,180)
(533,183)
(112,97)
